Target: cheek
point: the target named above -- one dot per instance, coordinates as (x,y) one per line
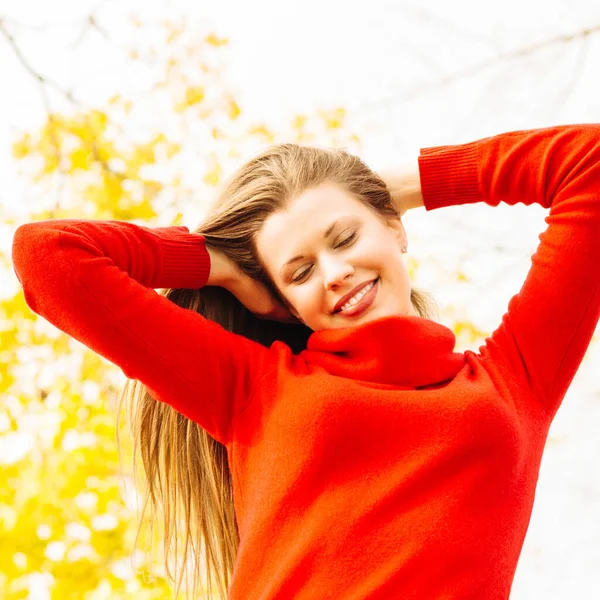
(384,254)
(377,243)
(308,300)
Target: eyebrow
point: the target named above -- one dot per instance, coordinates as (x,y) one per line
(325,236)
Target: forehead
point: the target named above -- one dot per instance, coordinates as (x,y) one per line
(302,224)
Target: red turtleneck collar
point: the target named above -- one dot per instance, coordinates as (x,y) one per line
(403,351)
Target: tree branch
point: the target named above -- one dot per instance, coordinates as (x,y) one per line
(43,83)
(476,68)
(42,79)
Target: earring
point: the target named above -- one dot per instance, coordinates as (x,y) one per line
(403,248)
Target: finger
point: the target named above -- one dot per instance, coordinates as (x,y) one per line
(279,314)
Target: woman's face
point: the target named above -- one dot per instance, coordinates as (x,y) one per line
(324,245)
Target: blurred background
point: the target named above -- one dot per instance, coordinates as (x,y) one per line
(137,111)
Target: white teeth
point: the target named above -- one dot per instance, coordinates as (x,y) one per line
(356,298)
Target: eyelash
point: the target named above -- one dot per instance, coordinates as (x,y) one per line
(345,242)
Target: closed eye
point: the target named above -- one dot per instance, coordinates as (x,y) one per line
(344,242)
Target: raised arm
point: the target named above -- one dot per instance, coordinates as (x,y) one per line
(404,184)
(95,281)
(546,331)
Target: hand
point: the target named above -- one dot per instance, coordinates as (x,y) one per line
(256,297)
(404,185)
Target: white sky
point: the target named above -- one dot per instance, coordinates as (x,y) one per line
(294,56)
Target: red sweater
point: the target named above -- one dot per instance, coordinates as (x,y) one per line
(378,463)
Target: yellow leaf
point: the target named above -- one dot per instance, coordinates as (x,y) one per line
(80,159)
(173,149)
(194,95)
(143,155)
(174,32)
(335,119)
(299,121)
(214,40)
(159,138)
(21,148)
(113,189)
(234,110)
(213,176)
(262,131)
(99,120)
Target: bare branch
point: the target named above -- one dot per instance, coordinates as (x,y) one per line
(100,30)
(43,83)
(427,16)
(90,24)
(42,79)
(474,69)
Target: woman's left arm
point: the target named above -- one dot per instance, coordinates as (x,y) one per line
(549,323)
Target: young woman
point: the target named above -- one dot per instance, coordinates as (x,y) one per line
(298,410)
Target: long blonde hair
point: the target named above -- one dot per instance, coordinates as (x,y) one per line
(186,470)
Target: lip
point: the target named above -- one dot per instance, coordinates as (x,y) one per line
(353,292)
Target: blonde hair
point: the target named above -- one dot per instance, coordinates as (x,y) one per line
(186,470)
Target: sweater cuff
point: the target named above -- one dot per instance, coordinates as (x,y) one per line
(449,175)
(185,259)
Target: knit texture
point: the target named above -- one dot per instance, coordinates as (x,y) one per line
(378,463)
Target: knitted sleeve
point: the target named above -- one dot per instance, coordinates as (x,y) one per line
(549,324)
(96,280)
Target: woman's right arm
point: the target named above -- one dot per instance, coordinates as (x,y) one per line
(95,281)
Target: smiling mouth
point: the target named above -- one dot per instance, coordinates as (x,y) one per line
(372,283)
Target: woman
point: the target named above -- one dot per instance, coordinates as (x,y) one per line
(299,412)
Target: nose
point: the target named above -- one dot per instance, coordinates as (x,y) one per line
(335,272)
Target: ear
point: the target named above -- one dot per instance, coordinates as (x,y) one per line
(398,229)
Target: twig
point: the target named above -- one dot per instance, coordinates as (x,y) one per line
(90,23)
(474,69)
(42,79)
(43,82)
(450,26)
